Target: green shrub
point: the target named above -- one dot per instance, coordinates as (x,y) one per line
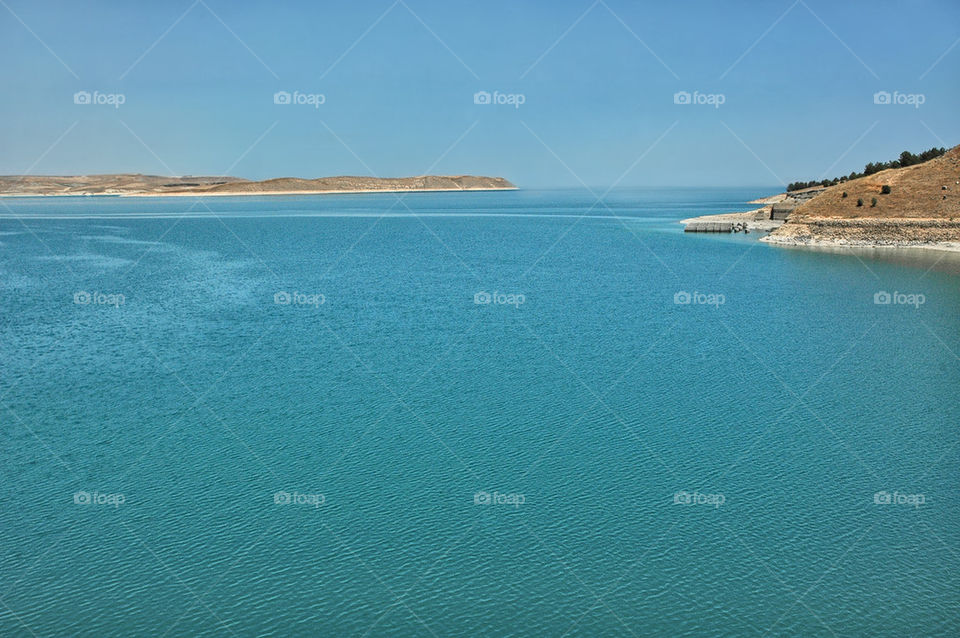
(873,203)
(885,189)
(906,159)
(844,195)
(860,202)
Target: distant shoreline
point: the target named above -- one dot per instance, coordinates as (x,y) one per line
(139,185)
(266,193)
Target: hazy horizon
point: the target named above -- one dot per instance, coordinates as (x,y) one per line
(589,91)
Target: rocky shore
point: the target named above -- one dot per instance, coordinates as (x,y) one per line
(938,234)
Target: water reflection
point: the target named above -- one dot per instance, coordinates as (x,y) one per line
(936,260)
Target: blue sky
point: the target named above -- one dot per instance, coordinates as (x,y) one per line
(598,81)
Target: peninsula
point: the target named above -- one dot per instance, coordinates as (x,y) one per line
(910,206)
(137,185)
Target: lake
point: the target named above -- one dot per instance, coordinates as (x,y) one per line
(485,413)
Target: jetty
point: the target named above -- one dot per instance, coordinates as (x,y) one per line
(716,227)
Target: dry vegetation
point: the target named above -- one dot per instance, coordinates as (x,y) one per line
(915,192)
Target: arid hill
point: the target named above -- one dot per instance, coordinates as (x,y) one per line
(922,207)
(352,183)
(152,185)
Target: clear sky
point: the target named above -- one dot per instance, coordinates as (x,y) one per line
(786,88)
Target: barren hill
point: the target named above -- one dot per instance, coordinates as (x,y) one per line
(153,185)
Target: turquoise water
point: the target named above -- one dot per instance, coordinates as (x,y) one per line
(383,455)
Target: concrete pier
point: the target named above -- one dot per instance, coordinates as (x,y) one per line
(709,227)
